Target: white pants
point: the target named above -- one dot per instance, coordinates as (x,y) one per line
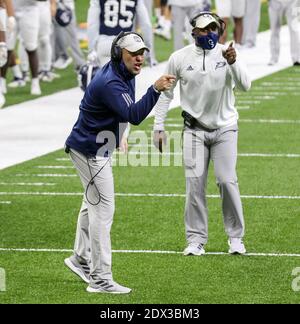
(276,11)
(200,147)
(27,28)
(44,40)
(251,22)
(231,8)
(179,15)
(95,219)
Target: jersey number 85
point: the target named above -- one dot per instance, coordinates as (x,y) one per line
(119,13)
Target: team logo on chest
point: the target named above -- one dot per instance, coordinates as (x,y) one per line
(220,65)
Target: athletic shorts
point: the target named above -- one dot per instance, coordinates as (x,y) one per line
(231,8)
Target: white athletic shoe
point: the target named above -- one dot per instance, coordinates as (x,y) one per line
(45,76)
(80,269)
(35,87)
(163,32)
(194,249)
(17,83)
(62,63)
(107,286)
(236,246)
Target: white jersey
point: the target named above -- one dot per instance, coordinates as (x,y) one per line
(206,83)
(120,16)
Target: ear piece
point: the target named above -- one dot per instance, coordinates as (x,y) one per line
(116,51)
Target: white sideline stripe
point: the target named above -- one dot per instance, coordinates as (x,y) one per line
(180,153)
(270,121)
(54,167)
(243,107)
(240,154)
(5,202)
(290,255)
(139,195)
(46,175)
(38,184)
(261,121)
(253,121)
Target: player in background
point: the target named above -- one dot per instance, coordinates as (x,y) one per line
(251,23)
(47,11)
(180,10)
(289,9)
(236,9)
(164,19)
(27,28)
(66,40)
(107,18)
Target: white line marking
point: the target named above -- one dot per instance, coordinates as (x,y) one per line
(269,121)
(289,255)
(63,159)
(37,184)
(247,102)
(270,84)
(269,155)
(240,154)
(5,202)
(243,107)
(54,167)
(253,121)
(46,175)
(139,195)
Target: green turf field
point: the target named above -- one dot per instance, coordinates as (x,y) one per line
(37,219)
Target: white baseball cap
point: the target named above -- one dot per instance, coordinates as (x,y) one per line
(133,43)
(205,20)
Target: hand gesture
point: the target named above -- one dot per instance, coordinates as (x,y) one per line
(230,54)
(164,83)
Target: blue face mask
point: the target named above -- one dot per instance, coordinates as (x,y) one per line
(207,42)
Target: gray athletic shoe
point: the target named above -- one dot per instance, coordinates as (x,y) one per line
(194,249)
(107,286)
(81,269)
(236,246)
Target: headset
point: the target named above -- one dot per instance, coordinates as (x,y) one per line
(222,24)
(116,50)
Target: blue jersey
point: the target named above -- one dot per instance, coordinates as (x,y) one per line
(108,105)
(117,16)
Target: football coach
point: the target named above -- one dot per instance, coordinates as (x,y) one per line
(107,106)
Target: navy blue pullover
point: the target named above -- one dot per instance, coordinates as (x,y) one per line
(106,108)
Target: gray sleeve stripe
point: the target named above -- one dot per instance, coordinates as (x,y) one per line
(126,99)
